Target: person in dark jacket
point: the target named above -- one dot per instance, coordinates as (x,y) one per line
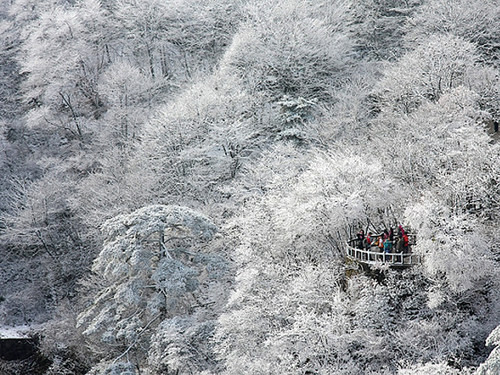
(360,239)
(399,244)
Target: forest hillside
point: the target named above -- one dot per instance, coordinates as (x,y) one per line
(179,179)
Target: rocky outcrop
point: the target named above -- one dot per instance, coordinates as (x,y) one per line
(14,349)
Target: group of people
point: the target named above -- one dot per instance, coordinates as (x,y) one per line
(386,242)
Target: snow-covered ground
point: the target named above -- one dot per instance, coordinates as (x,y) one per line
(17,332)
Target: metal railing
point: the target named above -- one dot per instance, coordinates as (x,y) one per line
(374,257)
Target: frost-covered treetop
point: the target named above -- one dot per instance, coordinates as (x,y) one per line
(145,221)
(145,272)
(126,237)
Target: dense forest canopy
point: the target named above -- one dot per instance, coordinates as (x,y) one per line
(178,180)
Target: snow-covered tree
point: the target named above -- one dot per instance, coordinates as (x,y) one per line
(453,245)
(287,313)
(475,21)
(287,122)
(62,58)
(173,39)
(127,93)
(442,144)
(437,65)
(195,143)
(492,365)
(39,229)
(379,26)
(432,368)
(148,271)
(291,47)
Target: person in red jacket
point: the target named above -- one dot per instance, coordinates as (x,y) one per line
(406,243)
(401,231)
(368,241)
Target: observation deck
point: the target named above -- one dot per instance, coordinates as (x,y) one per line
(372,257)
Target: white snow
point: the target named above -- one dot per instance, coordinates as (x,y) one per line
(17,332)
